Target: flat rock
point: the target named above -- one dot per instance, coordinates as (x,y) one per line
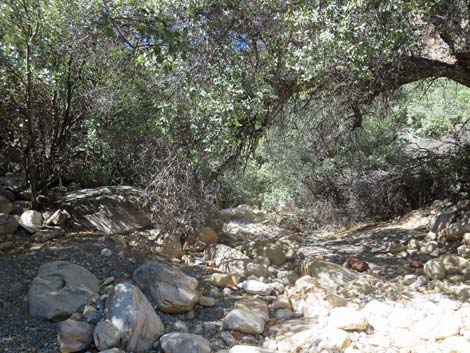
(132,314)
(110,209)
(179,342)
(172,290)
(60,289)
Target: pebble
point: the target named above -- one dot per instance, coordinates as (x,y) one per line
(106,252)
(207,301)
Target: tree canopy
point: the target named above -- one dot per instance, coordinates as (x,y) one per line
(86,84)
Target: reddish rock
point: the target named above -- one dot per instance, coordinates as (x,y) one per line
(416,264)
(356,264)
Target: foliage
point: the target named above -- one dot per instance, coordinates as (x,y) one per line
(256,101)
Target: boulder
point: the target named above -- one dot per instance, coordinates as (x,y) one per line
(106,335)
(456,230)
(273,251)
(245,268)
(169,246)
(208,236)
(435,269)
(241,213)
(179,342)
(8,224)
(60,289)
(5,205)
(441,221)
(328,275)
(74,336)
(223,280)
(133,316)
(244,321)
(220,253)
(171,289)
(31,219)
(255,306)
(110,209)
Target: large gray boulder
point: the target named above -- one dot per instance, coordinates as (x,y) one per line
(133,316)
(179,342)
(8,224)
(60,289)
(172,290)
(110,209)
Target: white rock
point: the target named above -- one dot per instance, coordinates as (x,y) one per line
(179,342)
(248,349)
(404,338)
(347,319)
(434,269)
(456,344)
(438,326)
(32,219)
(256,287)
(332,339)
